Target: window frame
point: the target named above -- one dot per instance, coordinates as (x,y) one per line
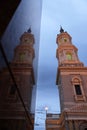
(22,56)
(69,56)
(14,96)
(12,92)
(78,97)
(11,96)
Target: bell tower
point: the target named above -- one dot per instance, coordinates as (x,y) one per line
(24,52)
(66,52)
(12,112)
(72,83)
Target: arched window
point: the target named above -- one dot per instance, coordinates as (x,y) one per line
(77,86)
(69,56)
(78,89)
(12,90)
(22,56)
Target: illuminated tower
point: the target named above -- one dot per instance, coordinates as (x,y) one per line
(12,113)
(72,84)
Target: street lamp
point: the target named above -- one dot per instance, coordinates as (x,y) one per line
(46,109)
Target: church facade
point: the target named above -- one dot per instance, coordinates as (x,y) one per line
(16,87)
(72,83)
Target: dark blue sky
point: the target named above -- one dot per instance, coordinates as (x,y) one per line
(72,16)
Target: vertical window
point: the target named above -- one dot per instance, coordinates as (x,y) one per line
(69,56)
(12,90)
(22,56)
(65,39)
(78,89)
(79,94)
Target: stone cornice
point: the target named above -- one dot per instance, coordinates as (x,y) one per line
(70,70)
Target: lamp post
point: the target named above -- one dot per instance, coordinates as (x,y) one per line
(46,109)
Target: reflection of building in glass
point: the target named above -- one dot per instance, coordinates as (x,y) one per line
(71,81)
(12,112)
(27,14)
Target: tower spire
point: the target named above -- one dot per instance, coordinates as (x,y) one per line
(61,29)
(29,30)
